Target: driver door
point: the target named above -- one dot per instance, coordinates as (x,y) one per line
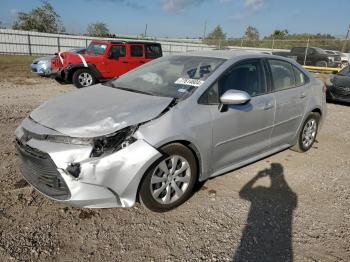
(116,62)
(242,131)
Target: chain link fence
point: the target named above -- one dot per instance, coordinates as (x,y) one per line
(34,43)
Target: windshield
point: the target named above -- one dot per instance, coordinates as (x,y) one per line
(96,49)
(172,76)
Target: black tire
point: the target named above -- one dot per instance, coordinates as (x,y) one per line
(146,188)
(301,146)
(78,76)
(322,63)
(61,81)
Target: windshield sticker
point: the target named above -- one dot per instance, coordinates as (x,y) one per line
(189,82)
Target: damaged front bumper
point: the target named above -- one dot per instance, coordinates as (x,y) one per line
(102,182)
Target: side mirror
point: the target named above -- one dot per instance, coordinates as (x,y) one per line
(235,97)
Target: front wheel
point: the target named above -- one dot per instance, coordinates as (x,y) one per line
(171,179)
(83,78)
(307,134)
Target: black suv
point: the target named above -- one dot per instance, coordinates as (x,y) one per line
(315,57)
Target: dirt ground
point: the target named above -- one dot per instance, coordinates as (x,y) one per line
(289,206)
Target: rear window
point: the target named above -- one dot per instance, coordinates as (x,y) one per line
(300,77)
(153,51)
(282,74)
(136,50)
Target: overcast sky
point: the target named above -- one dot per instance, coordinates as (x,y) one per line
(185,18)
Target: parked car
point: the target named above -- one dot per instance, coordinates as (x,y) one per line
(339,90)
(344,58)
(103,61)
(152,133)
(42,65)
(315,57)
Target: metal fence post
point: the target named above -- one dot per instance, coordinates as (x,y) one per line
(273,44)
(58,44)
(86,41)
(242,42)
(307,48)
(169,48)
(29,45)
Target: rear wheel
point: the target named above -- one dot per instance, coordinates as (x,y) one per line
(308,133)
(170,181)
(83,78)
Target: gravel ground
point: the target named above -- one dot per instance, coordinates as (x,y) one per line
(289,206)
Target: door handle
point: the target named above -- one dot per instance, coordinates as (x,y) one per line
(142,62)
(268,106)
(302,95)
(125,62)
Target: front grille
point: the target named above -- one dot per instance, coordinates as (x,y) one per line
(41,172)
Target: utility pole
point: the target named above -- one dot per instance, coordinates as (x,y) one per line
(346,39)
(205,29)
(145,31)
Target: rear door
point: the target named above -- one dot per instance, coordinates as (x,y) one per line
(291,91)
(136,55)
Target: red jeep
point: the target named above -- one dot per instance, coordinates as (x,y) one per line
(102,61)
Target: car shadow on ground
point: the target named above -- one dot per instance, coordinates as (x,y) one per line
(267,235)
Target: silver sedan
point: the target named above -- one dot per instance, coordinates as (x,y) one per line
(153,133)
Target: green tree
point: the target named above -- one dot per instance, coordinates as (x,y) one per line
(40,19)
(217,37)
(279,34)
(98,29)
(251,33)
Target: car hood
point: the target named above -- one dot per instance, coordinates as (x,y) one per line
(98,110)
(43,58)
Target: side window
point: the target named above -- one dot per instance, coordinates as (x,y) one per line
(300,77)
(247,76)
(282,75)
(153,51)
(117,51)
(136,50)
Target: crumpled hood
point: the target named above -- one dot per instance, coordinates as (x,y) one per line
(98,110)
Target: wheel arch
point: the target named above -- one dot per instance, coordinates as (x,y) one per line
(185,143)
(74,68)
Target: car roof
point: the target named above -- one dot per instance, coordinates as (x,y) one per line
(231,54)
(123,42)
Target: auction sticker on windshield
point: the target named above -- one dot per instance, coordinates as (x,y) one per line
(189,82)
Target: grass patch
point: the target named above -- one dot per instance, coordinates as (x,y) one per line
(16,59)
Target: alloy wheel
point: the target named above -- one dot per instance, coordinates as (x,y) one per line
(85,79)
(170,179)
(309,133)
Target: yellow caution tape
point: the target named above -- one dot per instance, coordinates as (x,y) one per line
(318,68)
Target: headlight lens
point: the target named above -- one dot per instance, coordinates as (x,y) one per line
(114,142)
(101,145)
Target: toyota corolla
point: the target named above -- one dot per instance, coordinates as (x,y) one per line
(151,134)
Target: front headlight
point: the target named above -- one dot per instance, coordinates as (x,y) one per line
(114,142)
(101,145)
